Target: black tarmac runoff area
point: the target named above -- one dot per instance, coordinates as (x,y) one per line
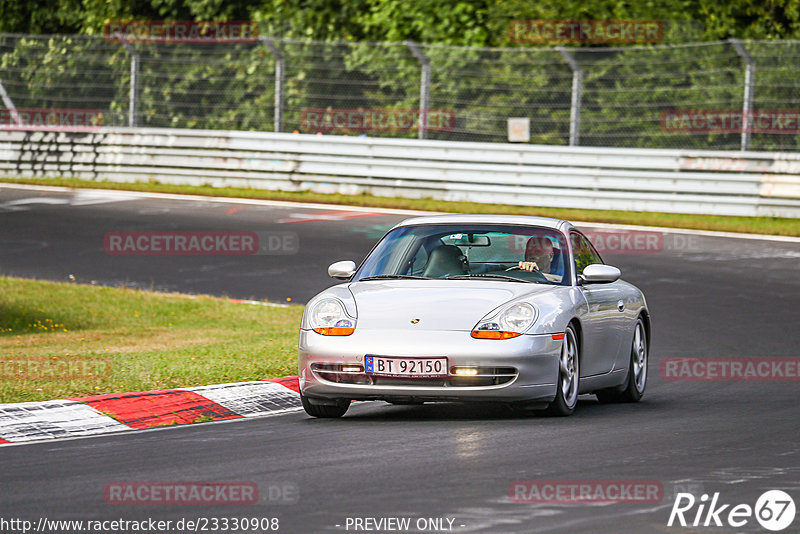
(435,467)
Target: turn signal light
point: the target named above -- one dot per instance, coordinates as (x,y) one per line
(557,337)
(334,331)
(494,334)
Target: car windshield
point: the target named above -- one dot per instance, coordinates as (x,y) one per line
(474,251)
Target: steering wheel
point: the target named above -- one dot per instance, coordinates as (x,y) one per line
(536,272)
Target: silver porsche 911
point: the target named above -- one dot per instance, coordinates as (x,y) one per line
(459,308)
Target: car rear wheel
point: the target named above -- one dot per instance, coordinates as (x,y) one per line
(568,377)
(636,380)
(337,408)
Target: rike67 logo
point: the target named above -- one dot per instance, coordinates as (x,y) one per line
(774,510)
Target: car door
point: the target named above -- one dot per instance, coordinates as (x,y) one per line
(605,320)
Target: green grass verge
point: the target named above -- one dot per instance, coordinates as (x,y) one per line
(757,225)
(62,340)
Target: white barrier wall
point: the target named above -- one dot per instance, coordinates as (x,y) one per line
(679,181)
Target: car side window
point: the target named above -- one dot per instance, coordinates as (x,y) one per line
(583,251)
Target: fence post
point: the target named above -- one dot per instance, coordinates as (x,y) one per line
(577,94)
(749,85)
(9,104)
(424,87)
(280,67)
(133,96)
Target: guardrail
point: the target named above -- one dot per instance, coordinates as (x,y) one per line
(678,181)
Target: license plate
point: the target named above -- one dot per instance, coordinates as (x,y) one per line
(404,367)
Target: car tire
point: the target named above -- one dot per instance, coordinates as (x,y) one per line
(636,379)
(527,408)
(328,411)
(568,381)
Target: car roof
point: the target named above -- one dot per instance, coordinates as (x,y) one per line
(520,220)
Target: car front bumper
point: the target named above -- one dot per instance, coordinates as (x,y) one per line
(533,358)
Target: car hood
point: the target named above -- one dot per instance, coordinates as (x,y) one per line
(438,304)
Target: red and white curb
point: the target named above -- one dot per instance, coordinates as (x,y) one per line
(117,412)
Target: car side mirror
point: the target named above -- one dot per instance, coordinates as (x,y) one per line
(342,270)
(598,273)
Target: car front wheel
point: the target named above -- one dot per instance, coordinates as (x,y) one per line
(337,408)
(568,377)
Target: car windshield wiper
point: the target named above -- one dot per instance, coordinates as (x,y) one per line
(492,276)
(394,277)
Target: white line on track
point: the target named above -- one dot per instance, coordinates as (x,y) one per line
(388,211)
(227,200)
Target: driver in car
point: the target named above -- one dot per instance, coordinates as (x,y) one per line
(539,254)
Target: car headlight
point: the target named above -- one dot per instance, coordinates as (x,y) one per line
(329,319)
(510,322)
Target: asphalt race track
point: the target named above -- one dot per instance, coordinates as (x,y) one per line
(51,236)
(709,297)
